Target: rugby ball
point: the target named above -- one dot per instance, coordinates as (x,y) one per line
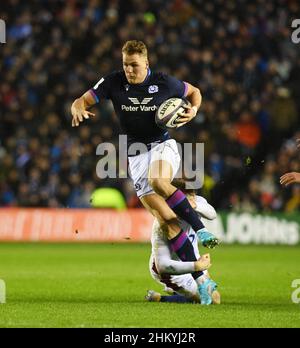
(167,113)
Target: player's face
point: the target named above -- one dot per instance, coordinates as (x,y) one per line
(135,67)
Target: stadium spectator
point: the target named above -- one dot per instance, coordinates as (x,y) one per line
(240,63)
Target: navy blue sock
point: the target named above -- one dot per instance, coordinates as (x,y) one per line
(181,206)
(176,298)
(197,274)
(183,247)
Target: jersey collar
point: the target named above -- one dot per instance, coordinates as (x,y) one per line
(148,76)
(146,79)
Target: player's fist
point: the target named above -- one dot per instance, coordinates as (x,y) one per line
(187,116)
(203,263)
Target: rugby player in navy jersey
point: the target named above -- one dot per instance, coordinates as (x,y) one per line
(136,93)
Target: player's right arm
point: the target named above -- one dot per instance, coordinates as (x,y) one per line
(79,108)
(102,89)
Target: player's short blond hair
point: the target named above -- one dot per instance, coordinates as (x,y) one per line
(135,47)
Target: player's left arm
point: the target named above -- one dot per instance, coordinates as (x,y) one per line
(193,95)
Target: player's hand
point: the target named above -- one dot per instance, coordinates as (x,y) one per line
(203,263)
(290,178)
(79,116)
(79,113)
(298,143)
(187,116)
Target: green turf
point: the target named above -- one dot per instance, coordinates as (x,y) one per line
(103,285)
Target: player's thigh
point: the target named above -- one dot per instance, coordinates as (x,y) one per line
(185,284)
(164,160)
(160,169)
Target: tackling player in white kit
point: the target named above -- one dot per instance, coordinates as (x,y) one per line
(175,275)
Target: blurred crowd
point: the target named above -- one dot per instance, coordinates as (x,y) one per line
(239,53)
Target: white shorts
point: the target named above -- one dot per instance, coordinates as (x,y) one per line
(139,165)
(183,284)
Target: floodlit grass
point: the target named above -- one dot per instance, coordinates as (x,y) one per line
(103,285)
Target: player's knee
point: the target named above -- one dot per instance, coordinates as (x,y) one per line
(160,186)
(168,222)
(155,184)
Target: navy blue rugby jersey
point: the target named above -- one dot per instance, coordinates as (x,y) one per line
(136,104)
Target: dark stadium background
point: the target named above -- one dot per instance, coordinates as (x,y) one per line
(242,57)
(239,54)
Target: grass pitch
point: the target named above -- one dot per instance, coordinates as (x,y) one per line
(103,285)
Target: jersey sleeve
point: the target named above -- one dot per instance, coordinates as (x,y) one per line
(205,209)
(177,88)
(102,88)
